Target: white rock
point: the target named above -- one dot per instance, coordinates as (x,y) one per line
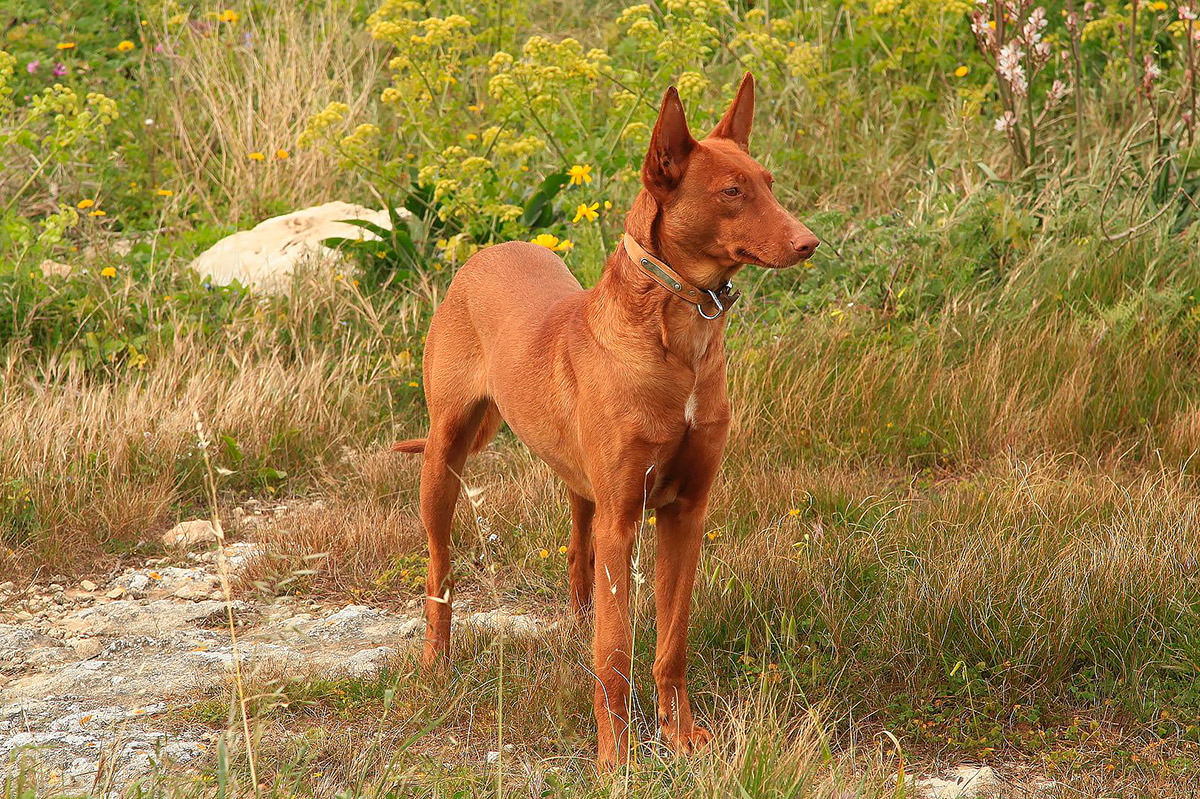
(88,585)
(963,782)
(55,268)
(85,647)
(266,255)
(187,534)
(518,624)
(241,553)
(368,662)
(411,627)
(134,582)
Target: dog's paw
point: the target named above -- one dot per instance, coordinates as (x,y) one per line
(686,742)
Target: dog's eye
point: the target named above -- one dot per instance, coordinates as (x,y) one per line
(732,191)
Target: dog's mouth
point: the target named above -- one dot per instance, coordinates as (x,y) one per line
(746,257)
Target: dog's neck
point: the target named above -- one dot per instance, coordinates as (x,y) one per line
(645,222)
(627,298)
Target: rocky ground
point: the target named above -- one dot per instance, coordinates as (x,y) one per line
(95,675)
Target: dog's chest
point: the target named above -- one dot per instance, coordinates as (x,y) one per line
(689,409)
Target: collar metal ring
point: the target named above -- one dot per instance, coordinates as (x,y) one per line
(720,307)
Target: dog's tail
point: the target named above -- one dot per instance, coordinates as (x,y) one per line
(413,445)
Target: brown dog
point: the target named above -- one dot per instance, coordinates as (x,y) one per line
(620,389)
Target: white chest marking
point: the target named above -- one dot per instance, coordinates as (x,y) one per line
(689,410)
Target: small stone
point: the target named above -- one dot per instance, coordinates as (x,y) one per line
(85,647)
(54,268)
(136,583)
(188,534)
(368,661)
(116,592)
(88,585)
(963,782)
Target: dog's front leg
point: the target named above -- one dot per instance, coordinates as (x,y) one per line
(680,534)
(680,531)
(614,531)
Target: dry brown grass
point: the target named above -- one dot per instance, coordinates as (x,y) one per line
(92,465)
(233,92)
(1016,495)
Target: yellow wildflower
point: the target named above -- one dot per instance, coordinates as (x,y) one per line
(66,45)
(97,212)
(551,242)
(124,46)
(108,271)
(282,154)
(652,521)
(588,212)
(257,156)
(229,15)
(83,205)
(793,512)
(580,174)
(545,553)
(164,192)
(562,550)
(413,384)
(962,71)
(713,535)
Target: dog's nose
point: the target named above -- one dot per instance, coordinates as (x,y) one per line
(805,244)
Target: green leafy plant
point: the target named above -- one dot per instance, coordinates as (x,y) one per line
(416,240)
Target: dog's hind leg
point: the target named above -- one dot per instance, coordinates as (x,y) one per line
(581,555)
(452,436)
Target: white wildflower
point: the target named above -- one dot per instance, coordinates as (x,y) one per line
(1008,63)
(1058,90)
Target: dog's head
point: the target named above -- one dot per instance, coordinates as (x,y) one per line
(715,201)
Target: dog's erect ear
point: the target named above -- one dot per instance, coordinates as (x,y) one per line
(735,125)
(670,146)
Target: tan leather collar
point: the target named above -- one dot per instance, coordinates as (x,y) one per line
(671,280)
